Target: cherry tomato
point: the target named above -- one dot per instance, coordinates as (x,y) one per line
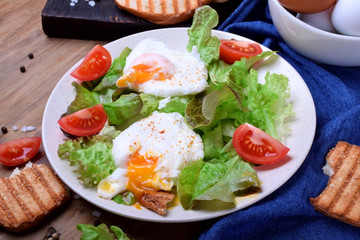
(95,64)
(232,50)
(85,122)
(256,146)
(19,151)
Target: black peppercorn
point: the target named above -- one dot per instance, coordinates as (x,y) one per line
(22,69)
(31,56)
(4,130)
(96,223)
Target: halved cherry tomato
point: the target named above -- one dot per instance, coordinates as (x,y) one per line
(95,64)
(232,50)
(256,146)
(85,122)
(19,151)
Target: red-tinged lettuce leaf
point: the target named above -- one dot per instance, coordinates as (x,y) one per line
(202,109)
(251,61)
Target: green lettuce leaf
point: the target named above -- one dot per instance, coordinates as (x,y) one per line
(177,104)
(126,107)
(101,232)
(115,71)
(254,59)
(119,233)
(92,157)
(84,99)
(234,96)
(150,104)
(204,20)
(130,108)
(203,108)
(126,198)
(218,179)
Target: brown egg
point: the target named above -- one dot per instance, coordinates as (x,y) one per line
(307,6)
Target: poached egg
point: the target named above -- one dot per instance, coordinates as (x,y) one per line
(153,68)
(150,154)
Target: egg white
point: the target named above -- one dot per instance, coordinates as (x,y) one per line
(189,76)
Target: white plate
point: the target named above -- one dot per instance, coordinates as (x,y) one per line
(302,126)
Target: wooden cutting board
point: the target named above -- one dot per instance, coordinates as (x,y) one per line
(103,21)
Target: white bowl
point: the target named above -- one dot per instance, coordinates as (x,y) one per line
(314,43)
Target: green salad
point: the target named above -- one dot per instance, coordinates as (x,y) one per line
(233,97)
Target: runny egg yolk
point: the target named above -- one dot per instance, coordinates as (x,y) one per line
(149,66)
(140,173)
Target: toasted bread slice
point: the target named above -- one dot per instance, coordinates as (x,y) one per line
(341,198)
(29,196)
(162,12)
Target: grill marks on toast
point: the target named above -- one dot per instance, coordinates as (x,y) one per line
(163,5)
(29,196)
(164,12)
(7,214)
(341,198)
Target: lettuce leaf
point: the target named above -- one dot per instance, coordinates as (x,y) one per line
(150,104)
(127,106)
(84,99)
(234,96)
(101,232)
(202,110)
(115,71)
(234,92)
(92,157)
(215,180)
(205,19)
(126,198)
(177,104)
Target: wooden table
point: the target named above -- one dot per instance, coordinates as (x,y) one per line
(23,97)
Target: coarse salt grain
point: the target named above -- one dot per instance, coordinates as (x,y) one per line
(96,213)
(30,128)
(15,128)
(27,129)
(23,129)
(77,197)
(92,3)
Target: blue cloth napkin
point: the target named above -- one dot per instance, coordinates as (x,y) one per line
(287,213)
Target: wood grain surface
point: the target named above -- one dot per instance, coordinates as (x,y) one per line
(23,97)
